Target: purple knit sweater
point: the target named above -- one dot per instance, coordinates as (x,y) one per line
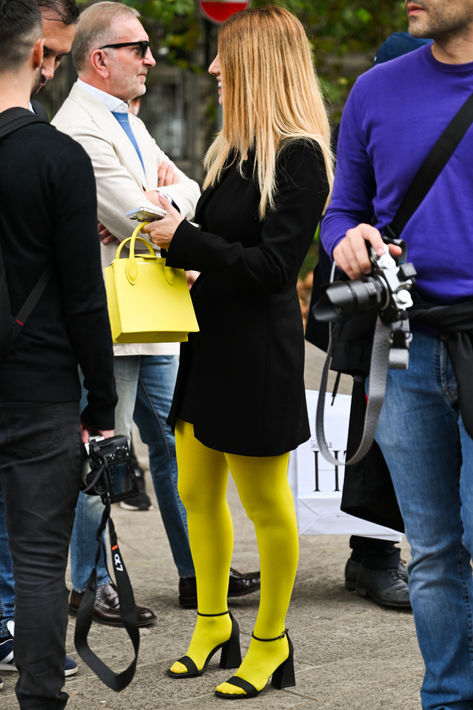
(393,117)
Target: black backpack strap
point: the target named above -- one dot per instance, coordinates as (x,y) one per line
(10,121)
(432,167)
(33,297)
(14,118)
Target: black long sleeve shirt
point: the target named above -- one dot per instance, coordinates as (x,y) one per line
(48,215)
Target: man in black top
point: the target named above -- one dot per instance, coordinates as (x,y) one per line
(58,20)
(46,221)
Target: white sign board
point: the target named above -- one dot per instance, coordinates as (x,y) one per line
(317,485)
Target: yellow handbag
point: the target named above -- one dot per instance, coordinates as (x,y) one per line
(148,302)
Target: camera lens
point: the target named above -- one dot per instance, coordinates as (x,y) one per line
(366,294)
(346,297)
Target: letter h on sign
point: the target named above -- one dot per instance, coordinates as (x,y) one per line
(317,471)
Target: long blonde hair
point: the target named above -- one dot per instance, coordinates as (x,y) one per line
(271,96)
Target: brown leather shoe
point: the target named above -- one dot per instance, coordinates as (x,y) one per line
(239,584)
(107,607)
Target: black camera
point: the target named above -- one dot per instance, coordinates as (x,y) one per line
(108,470)
(387,289)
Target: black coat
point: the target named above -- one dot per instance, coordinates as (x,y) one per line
(240,378)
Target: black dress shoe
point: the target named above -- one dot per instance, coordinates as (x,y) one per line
(107,607)
(239,584)
(351,573)
(387,587)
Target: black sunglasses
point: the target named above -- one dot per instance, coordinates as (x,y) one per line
(142,44)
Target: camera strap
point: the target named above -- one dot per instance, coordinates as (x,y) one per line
(115,681)
(377,387)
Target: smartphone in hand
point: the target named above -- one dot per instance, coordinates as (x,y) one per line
(146,214)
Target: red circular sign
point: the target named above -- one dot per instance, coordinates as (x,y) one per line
(220,10)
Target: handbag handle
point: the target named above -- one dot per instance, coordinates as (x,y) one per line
(131,268)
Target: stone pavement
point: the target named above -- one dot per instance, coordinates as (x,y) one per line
(349,653)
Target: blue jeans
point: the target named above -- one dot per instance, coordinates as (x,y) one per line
(88,515)
(430,457)
(7,586)
(156,380)
(145,385)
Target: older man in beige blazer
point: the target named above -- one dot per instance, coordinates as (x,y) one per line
(112,56)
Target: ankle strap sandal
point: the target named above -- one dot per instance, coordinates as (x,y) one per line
(282,677)
(276,638)
(230,656)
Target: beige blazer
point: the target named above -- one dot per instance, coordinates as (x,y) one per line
(120,177)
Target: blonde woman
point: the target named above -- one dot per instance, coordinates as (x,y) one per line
(239,403)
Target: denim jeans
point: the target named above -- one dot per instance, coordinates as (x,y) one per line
(89,511)
(430,457)
(7,586)
(40,471)
(156,380)
(145,385)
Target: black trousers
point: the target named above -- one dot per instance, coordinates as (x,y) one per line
(40,471)
(374,553)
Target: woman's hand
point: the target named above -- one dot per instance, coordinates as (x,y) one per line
(161,231)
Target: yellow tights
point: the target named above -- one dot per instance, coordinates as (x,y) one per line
(265,494)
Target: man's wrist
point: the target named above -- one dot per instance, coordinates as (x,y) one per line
(162,191)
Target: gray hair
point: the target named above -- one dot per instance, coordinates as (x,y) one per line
(95,28)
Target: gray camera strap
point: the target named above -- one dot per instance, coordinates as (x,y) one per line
(380,357)
(384,352)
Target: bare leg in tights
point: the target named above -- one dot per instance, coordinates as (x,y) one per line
(265,494)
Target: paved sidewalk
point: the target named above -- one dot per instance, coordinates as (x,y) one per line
(349,653)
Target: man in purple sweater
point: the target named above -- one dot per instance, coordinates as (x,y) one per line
(392,119)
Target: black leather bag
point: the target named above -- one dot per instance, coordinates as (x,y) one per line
(368,491)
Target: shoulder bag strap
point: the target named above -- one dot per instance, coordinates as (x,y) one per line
(432,167)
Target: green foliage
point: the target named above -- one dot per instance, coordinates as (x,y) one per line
(338,30)
(163,11)
(345,35)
